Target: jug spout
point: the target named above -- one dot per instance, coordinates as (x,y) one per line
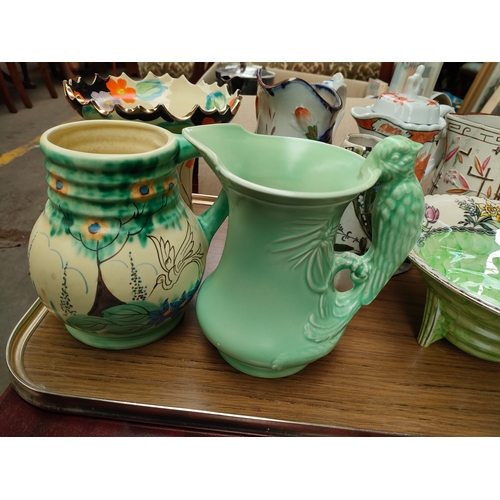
(211,219)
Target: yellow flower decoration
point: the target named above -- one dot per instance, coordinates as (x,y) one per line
(58,184)
(94,229)
(169,184)
(491,210)
(143,190)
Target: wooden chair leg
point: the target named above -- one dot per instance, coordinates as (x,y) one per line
(4,94)
(46,78)
(16,80)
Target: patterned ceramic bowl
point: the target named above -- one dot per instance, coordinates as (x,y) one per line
(172,103)
(458,255)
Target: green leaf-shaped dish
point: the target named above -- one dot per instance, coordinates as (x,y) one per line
(458,255)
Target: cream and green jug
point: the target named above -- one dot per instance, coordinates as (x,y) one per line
(117,254)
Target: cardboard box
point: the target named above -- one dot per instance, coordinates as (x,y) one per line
(355,88)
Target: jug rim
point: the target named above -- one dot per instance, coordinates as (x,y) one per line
(368,177)
(469,119)
(47,142)
(312,86)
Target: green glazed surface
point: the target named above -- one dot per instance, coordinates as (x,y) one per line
(469,260)
(116,253)
(271,307)
(458,255)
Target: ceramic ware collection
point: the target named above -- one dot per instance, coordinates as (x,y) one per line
(117,254)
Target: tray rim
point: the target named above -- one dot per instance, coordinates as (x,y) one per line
(146,413)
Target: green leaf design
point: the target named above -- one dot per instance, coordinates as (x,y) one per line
(312,132)
(89,323)
(127,314)
(150,89)
(215,100)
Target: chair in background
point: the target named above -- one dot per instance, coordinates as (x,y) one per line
(20,85)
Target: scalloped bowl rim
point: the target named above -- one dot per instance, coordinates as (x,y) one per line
(430,271)
(69,92)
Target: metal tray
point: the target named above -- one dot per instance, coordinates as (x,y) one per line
(38,394)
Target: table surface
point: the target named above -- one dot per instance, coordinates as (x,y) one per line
(376,381)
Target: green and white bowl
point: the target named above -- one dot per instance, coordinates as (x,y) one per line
(458,255)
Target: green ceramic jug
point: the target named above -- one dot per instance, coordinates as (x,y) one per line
(271,306)
(117,254)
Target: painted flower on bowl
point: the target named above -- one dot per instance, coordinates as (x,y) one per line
(118,88)
(431,214)
(490,210)
(104,100)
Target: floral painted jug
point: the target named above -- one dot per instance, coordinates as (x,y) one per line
(117,254)
(296,108)
(471,165)
(271,306)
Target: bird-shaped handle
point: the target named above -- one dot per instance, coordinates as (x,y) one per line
(396,222)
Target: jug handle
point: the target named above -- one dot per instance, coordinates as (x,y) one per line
(396,220)
(212,218)
(338,84)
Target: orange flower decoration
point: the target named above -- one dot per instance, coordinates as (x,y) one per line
(58,184)
(143,190)
(118,88)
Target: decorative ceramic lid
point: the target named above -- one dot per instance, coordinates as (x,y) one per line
(409,106)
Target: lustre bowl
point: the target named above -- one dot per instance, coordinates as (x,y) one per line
(458,255)
(172,103)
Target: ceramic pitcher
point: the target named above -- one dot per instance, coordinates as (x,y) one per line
(271,307)
(472,160)
(296,108)
(117,254)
